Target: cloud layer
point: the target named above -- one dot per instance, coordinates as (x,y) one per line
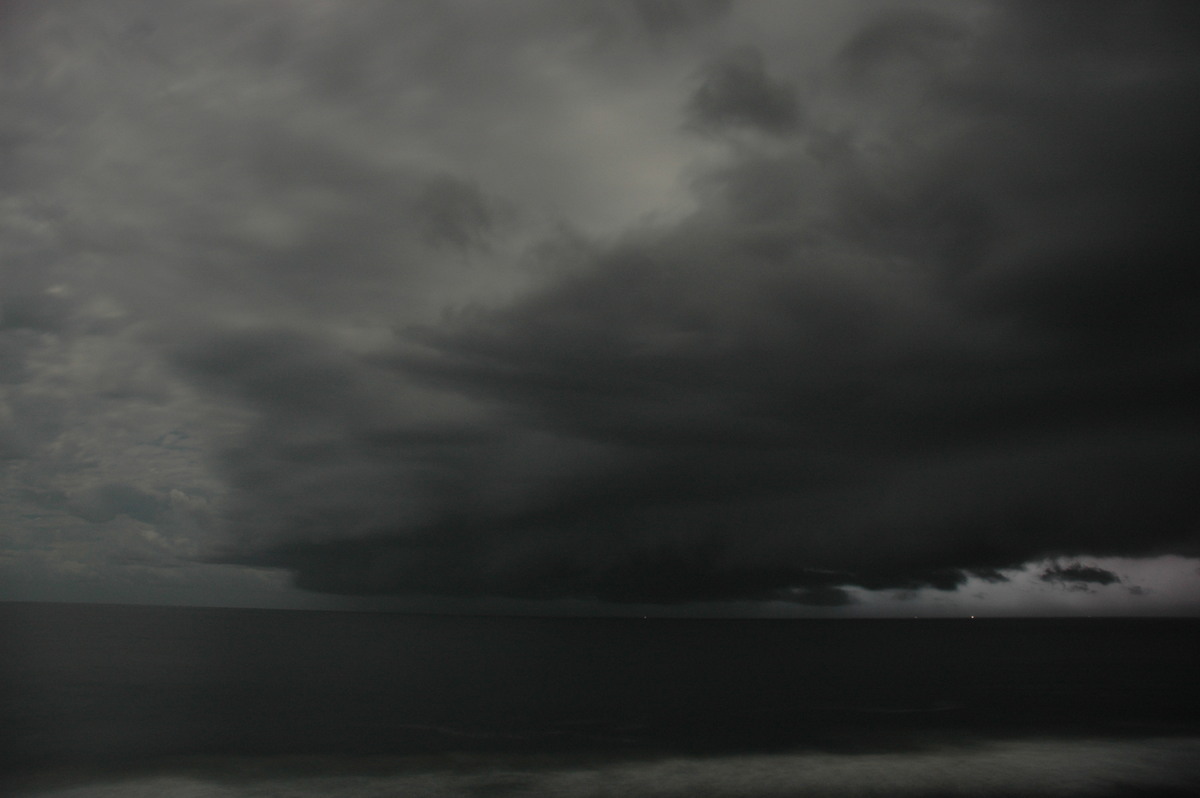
(628,302)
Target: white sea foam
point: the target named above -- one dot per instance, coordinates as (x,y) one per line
(1028,767)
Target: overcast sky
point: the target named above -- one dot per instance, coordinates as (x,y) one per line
(815,307)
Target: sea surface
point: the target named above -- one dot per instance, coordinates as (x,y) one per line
(101,700)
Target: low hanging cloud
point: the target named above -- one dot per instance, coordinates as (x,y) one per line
(956,338)
(925,314)
(106,502)
(737,92)
(1077,574)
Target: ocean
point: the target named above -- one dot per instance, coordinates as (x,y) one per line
(113,701)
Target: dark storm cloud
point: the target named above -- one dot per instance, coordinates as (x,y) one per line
(737,92)
(455,213)
(106,502)
(943,335)
(664,17)
(333,452)
(942,328)
(821,597)
(38,312)
(292,374)
(32,420)
(906,38)
(1079,573)
(12,359)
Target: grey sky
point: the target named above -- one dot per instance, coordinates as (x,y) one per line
(726,307)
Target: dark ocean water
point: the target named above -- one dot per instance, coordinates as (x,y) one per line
(125,701)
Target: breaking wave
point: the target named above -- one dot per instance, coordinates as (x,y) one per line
(1078,768)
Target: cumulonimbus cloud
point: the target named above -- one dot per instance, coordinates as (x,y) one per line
(966,351)
(925,314)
